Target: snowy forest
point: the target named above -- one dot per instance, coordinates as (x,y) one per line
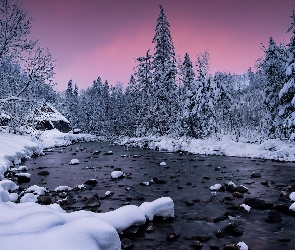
(166,94)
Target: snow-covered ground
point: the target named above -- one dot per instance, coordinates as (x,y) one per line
(227,145)
(28,225)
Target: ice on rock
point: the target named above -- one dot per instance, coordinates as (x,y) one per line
(74,162)
(292,196)
(62,188)
(163,207)
(117,174)
(215,187)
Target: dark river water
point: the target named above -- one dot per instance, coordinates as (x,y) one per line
(196,209)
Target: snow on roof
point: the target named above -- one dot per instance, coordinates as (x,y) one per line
(48,113)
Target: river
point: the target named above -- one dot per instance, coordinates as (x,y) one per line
(188,179)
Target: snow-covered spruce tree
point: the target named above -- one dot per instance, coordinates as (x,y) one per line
(287,93)
(273,65)
(166,107)
(146,96)
(188,95)
(132,107)
(224,102)
(205,97)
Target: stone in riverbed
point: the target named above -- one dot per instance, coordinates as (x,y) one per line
(150,229)
(255,175)
(172,236)
(93,201)
(257,203)
(197,245)
(91,182)
(233,230)
(43,173)
(231,247)
(240,189)
(126,243)
(44,199)
(273,217)
(23,179)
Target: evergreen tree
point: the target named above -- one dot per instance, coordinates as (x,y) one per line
(166,105)
(205,98)
(146,95)
(188,95)
(287,93)
(273,67)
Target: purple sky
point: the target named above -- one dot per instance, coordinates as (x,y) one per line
(92,38)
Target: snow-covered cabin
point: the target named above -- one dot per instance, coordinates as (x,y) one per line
(48,117)
(4,119)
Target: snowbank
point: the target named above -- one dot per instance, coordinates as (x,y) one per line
(227,145)
(15,147)
(32,226)
(163,207)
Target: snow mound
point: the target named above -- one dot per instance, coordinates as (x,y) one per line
(117,174)
(8,185)
(163,207)
(42,227)
(74,162)
(215,187)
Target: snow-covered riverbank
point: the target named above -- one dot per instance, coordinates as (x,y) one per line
(15,147)
(269,149)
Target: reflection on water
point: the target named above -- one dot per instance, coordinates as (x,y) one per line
(195,207)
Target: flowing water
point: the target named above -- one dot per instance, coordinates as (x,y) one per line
(195,206)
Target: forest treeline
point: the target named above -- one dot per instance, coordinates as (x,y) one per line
(166,94)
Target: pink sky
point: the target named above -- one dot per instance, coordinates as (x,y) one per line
(92,38)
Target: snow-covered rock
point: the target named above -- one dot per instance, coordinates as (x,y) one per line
(292,196)
(124,217)
(117,174)
(215,187)
(163,207)
(62,189)
(22,168)
(242,245)
(245,207)
(162,163)
(74,162)
(36,190)
(292,207)
(29,198)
